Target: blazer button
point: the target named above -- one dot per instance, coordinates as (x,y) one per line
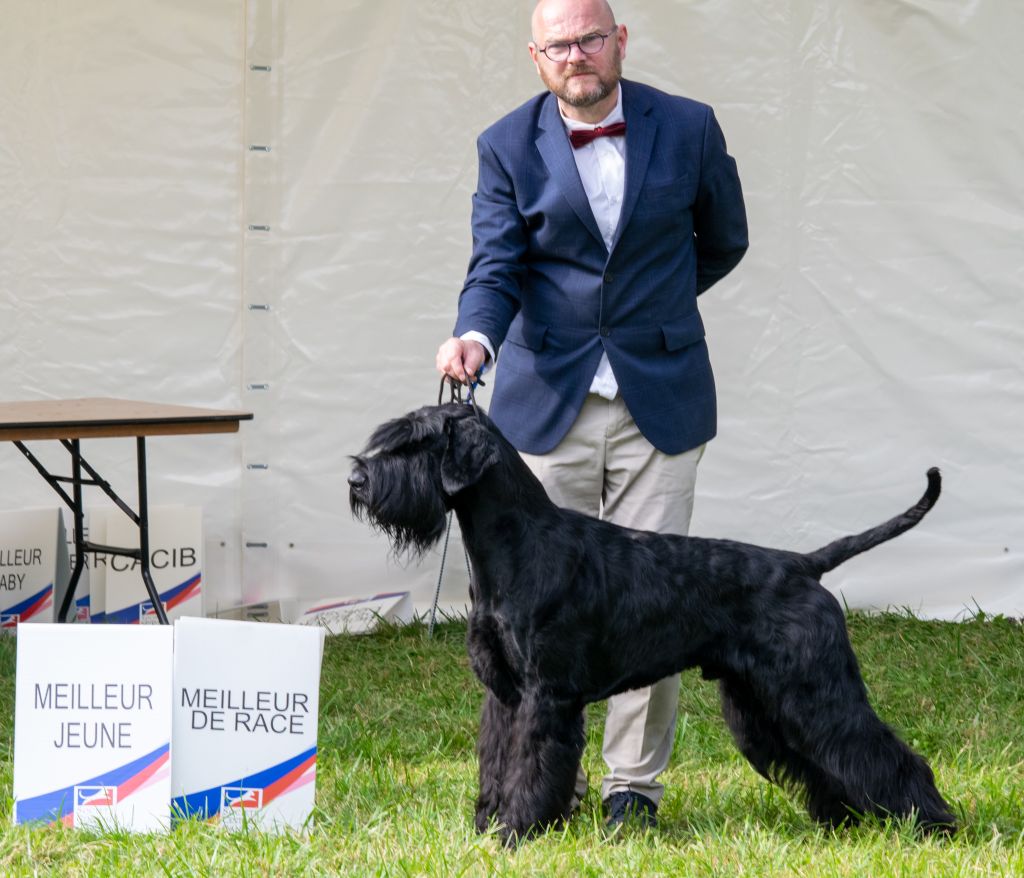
(606,331)
(608,277)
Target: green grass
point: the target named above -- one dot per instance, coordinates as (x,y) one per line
(396,777)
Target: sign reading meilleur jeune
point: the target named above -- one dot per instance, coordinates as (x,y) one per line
(92,726)
(246,702)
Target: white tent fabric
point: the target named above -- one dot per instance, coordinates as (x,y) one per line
(266,205)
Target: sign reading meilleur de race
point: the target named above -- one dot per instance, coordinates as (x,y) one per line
(92,726)
(246,702)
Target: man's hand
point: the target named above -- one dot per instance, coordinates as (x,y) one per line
(461,359)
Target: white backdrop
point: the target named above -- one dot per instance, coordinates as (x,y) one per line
(178,226)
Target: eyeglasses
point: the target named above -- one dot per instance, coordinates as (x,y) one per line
(591,44)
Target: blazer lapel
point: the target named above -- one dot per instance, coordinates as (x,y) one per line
(640,131)
(554,148)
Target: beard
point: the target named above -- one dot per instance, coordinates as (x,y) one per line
(574,92)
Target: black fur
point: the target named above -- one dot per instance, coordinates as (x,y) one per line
(567,609)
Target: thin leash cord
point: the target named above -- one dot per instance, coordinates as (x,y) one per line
(440,577)
(456,396)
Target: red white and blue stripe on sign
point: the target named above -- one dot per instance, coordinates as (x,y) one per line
(133,613)
(251,791)
(108,788)
(26,609)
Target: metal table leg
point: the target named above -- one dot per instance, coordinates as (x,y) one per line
(147,576)
(141,520)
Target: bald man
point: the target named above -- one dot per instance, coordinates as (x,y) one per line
(603,209)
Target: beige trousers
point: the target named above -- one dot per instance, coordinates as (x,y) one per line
(604,467)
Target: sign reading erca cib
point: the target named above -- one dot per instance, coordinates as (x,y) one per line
(176,536)
(125,726)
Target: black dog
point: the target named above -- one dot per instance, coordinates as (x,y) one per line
(567,610)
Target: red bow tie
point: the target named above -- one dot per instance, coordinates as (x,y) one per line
(583,136)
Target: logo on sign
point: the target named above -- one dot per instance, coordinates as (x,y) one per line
(9,620)
(235,802)
(147,615)
(240,797)
(93,803)
(95,796)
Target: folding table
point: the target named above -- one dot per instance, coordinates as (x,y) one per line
(71,420)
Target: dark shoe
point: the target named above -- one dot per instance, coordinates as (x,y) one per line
(630,808)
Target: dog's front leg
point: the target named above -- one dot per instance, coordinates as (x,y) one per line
(488,660)
(496,720)
(544,749)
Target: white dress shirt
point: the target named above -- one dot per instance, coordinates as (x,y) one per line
(602,169)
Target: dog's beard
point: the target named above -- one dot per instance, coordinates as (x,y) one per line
(407,540)
(412,529)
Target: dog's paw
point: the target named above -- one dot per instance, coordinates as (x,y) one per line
(483,821)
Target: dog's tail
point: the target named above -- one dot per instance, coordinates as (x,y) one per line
(834,554)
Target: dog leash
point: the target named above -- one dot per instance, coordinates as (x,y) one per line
(440,576)
(455,390)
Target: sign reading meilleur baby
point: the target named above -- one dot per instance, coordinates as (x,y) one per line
(123,726)
(34,568)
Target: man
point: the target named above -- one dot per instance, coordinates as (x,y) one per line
(591,241)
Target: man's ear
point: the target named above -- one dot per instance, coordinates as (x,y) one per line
(471,451)
(532,46)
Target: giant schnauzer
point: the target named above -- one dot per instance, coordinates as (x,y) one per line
(567,609)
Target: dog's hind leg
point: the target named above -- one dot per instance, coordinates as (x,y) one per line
(545,745)
(880,773)
(809,680)
(761,740)
(492,752)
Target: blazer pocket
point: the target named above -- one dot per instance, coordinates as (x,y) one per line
(683,332)
(527,335)
(676,188)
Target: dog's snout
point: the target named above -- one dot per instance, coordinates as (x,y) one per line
(358,478)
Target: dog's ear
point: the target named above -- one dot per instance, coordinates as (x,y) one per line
(470,453)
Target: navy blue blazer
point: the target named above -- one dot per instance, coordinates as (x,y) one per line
(543,287)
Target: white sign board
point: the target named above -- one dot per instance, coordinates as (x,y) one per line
(246,702)
(92,726)
(175,552)
(354,615)
(258,611)
(33,565)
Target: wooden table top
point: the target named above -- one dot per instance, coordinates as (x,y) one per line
(102,417)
